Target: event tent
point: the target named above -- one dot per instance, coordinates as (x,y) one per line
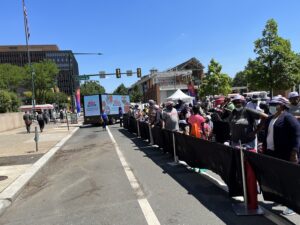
(179,95)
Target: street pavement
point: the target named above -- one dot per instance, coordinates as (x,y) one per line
(18,149)
(86,183)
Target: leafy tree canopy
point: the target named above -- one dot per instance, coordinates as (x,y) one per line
(9,101)
(59,98)
(11,76)
(91,87)
(215,82)
(276,66)
(121,90)
(135,94)
(45,74)
(240,79)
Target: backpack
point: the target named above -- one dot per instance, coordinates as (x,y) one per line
(39,117)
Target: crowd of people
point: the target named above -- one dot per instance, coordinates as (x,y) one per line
(43,118)
(269,126)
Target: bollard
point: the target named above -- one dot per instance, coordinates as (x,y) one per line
(150,135)
(138,128)
(175,163)
(251,187)
(250,206)
(67,120)
(36,139)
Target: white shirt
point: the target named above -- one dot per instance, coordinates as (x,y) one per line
(255,106)
(270,137)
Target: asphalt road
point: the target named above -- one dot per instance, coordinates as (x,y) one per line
(85,183)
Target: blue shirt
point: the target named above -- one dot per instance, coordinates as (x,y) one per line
(104,116)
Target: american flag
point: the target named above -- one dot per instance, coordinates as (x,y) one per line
(26,20)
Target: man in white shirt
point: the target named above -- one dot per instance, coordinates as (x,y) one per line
(254,103)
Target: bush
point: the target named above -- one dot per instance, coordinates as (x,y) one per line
(15,102)
(9,102)
(5,101)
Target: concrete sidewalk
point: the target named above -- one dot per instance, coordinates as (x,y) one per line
(18,149)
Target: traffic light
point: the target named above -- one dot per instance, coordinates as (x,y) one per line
(139,72)
(118,73)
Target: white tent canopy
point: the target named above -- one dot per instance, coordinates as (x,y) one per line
(179,95)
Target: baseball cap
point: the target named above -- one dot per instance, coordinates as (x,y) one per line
(280,100)
(293,94)
(169,103)
(151,102)
(238,97)
(254,97)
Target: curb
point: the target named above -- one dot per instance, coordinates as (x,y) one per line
(14,189)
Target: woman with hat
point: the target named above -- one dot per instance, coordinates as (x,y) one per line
(282,139)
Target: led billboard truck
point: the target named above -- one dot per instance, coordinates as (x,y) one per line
(92,109)
(95,104)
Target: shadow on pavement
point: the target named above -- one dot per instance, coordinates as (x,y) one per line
(3,178)
(212,197)
(19,159)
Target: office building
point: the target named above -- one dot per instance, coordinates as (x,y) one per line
(67,81)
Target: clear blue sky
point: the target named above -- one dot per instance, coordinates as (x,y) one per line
(150,33)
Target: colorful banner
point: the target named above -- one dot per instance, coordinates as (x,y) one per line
(191,89)
(92,105)
(111,103)
(77,96)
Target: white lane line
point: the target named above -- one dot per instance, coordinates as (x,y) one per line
(141,197)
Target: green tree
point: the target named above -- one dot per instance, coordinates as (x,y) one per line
(121,90)
(135,94)
(5,101)
(11,77)
(44,78)
(240,79)
(215,82)
(59,98)
(276,66)
(91,87)
(15,102)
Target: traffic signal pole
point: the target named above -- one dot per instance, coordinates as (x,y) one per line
(118,74)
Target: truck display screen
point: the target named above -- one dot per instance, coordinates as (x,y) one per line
(92,105)
(111,103)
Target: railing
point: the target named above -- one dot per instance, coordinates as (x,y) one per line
(279,180)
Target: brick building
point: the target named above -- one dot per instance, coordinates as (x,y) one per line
(160,85)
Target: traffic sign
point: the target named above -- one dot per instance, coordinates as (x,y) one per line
(129,72)
(102,74)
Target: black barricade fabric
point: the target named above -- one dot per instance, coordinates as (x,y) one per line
(279,180)
(221,159)
(167,141)
(144,130)
(132,125)
(157,136)
(125,121)
(221,130)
